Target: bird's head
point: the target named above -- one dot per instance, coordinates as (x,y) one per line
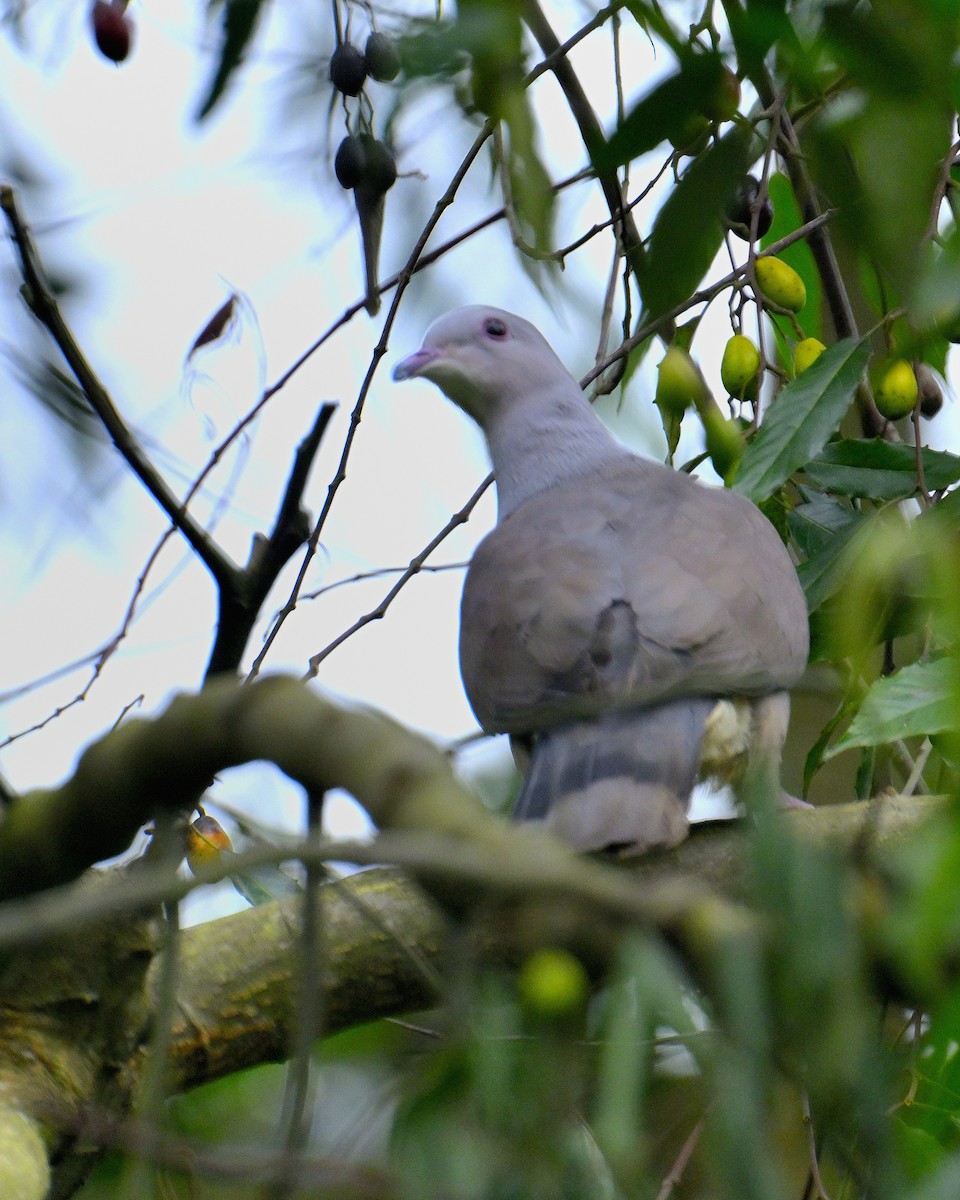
(483,358)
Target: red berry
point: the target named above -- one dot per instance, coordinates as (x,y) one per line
(112,30)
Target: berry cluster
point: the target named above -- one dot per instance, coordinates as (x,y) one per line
(363,161)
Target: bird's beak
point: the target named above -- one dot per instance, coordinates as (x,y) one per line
(414,364)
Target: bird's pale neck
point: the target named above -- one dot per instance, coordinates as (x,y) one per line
(543,439)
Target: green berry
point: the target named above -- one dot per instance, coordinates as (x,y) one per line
(679,383)
(897,390)
(553,983)
(692,135)
(739,367)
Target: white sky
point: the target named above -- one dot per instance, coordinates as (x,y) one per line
(163,220)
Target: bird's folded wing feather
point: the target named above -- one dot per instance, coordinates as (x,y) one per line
(626,587)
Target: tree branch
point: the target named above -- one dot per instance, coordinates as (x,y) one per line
(240,604)
(42,303)
(591,131)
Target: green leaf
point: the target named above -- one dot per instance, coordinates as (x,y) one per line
(813,525)
(822,575)
(801,419)
(919,699)
(688,231)
(662,112)
(239,23)
(814,760)
(880,470)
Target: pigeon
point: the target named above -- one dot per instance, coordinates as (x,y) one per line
(632,629)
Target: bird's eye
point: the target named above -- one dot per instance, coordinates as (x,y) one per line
(495,328)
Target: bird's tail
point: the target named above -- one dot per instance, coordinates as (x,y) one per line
(620,781)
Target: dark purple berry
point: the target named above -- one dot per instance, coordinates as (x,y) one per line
(347,69)
(112,30)
(740,210)
(381,57)
(350,162)
(931,393)
(380,168)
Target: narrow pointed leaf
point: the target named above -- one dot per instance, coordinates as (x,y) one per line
(662,112)
(813,525)
(822,575)
(802,418)
(688,231)
(239,23)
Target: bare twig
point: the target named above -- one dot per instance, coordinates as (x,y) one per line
(403,280)
(240,605)
(821,1191)
(377,572)
(414,566)
(675,1174)
(590,128)
(296,1115)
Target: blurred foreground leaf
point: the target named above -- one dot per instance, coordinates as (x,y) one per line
(239,23)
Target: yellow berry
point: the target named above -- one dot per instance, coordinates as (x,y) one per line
(780,283)
(553,983)
(678,382)
(806,354)
(896,391)
(739,367)
(206,841)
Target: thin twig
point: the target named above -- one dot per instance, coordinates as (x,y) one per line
(704,296)
(413,567)
(295,1116)
(403,280)
(675,1174)
(812,1149)
(376,573)
(916,775)
(590,128)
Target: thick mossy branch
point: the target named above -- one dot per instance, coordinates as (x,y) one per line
(385,936)
(383,943)
(50,836)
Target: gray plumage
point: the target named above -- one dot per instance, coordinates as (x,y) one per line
(629,627)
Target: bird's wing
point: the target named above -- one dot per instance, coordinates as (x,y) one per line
(622,588)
